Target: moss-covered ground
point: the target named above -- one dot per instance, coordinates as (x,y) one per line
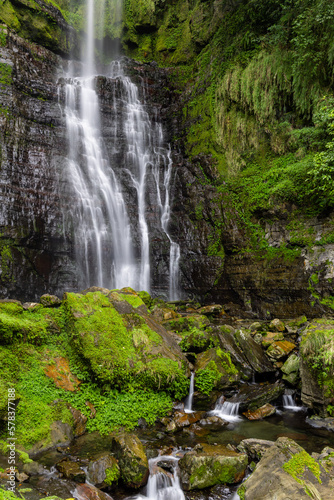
(84,332)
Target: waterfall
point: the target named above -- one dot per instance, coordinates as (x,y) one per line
(162,485)
(289,403)
(189,401)
(227,410)
(112,248)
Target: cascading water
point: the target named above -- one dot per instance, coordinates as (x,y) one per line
(227,410)
(112,250)
(189,400)
(289,403)
(163,485)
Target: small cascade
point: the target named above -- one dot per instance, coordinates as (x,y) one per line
(163,485)
(289,403)
(189,400)
(227,410)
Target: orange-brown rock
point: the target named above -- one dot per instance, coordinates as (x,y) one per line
(59,371)
(280,349)
(265,411)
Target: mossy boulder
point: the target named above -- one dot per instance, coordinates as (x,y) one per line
(316,366)
(290,369)
(215,364)
(210,466)
(41,22)
(121,342)
(280,349)
(286,470)
(132,459)
(71,470)
(252,397)
(18,324)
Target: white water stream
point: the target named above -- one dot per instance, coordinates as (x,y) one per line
(163,485)
(289,403)
(106,248)
(189,400)
(226,410)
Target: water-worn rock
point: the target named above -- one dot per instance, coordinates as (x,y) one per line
(90,492)
(103,470)
(214,423)
(132,459)
(48,300)
(181,420)
(118,338)
(211,465)
(317,382)
(71,470)
(60,434)
(276,325)
(286,471)
(252,397)
(264,411)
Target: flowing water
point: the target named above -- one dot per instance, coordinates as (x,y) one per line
(289,403)
(227,410)
(189,400)
(163,485)
(112,245)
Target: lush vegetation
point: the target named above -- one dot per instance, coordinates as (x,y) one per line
(84,355)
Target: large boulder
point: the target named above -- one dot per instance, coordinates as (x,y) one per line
(215,366)
(120,341)
(317,367)
(213,464)
(253,352)
(228,342)
(252,397)
(132,459)
(287,471)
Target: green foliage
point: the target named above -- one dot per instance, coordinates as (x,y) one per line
(317,348)
(5,74)
(205,379)
(197,338)
(112,474)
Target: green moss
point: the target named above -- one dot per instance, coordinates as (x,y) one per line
(241,492)
(298,464)
(112,474)
(207,378)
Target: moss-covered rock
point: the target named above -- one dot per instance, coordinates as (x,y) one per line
(103,470)
(122,343)
(132,459)
(290,369)
(212,465)
(254,354)
(41,22)
(214,368)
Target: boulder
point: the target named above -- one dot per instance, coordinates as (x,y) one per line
(210,466)
(71,470)
(254,354)
(119,339)
(218,362)
(89,492)
(181,419)
(213,423)
(264,411)
(255,448)
(60,434)
(316,366)
(229,344)
(103,470)
(269,337)
(251,397)
(132,459)
(287,471)
(280,349)
(276,325)
(50,300)
(290,369)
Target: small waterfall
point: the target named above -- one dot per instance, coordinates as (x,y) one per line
(189,400)
(227,410)
(163,485)
(289,403)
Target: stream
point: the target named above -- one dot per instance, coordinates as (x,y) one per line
(164,485)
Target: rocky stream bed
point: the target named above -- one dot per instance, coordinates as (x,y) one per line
(258,403)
